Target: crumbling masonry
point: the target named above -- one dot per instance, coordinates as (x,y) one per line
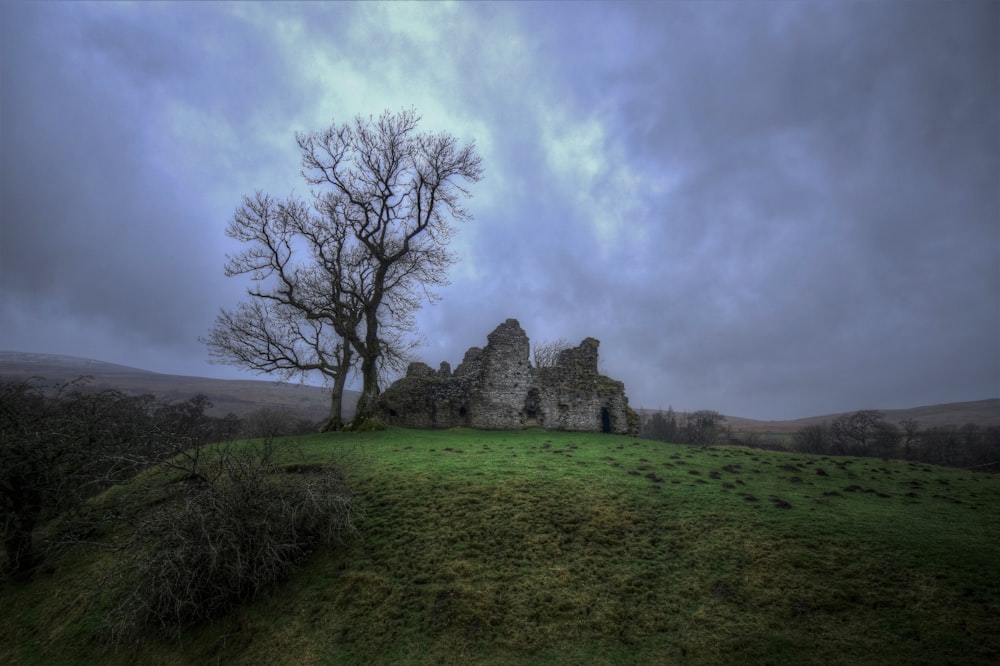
(497,388)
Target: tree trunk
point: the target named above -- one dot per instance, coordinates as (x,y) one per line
(336,420)
(368,401)
(369,390)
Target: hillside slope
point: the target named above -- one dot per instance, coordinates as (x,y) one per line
(537,547)
(239,396)
(981,412)
(242,396)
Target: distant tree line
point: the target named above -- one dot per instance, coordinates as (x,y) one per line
(197,522)
(864,433)
(57,448)
(701,428)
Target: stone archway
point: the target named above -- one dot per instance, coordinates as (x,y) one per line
(605,419)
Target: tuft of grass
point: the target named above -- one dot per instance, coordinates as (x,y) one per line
(571,548)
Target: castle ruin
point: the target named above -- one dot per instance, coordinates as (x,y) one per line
(497,388)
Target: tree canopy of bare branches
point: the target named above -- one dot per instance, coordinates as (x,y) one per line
(547,353)
(337,281)
(61,446)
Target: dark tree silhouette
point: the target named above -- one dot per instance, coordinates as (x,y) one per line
(343,276)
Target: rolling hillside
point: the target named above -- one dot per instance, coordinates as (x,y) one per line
(980,412)
(535,547)
(239,396)
(242,396)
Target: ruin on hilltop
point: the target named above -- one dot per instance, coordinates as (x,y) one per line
(497,388)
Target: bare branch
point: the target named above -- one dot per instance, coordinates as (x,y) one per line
(547,353)
(344,276)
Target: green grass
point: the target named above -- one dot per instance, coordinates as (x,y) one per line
(568,548)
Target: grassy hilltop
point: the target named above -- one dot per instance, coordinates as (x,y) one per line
(571,548)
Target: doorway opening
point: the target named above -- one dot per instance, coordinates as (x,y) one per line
(532,407)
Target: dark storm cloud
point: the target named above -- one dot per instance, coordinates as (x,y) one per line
(110,230)
(769,209)
(830,227)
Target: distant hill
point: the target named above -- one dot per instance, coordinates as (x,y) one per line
(239,396)
(980,412)
(242,396)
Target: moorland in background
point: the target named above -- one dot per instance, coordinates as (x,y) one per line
(236,396)
(241,397)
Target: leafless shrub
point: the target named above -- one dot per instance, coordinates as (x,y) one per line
(275,422)
(223,537)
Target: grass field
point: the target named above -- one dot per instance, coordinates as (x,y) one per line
(568,548)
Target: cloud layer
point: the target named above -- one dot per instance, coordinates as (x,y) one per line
(772,210)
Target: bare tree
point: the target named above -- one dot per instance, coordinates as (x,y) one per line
(854,433)
(396,191)
(57,449)
(812,439)
(702,428)
(547,353)
(911,433)
(301,307)
(339,280)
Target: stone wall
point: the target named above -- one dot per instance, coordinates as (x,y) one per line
(497,388)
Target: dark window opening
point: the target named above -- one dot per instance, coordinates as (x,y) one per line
(605,420)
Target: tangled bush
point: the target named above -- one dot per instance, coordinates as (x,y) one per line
(218,541)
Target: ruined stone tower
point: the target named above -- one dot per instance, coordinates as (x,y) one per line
(497,388)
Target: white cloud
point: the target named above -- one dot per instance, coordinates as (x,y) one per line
(609,193)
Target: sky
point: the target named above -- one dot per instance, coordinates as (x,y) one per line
(769,209)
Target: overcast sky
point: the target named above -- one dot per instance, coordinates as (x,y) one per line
(770,209)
